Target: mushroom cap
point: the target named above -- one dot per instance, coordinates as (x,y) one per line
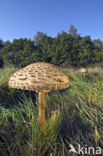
(83,70)
(39,76)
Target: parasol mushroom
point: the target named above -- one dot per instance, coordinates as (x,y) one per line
(40,77)
(84,71)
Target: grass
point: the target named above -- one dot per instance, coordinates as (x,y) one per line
(75,116)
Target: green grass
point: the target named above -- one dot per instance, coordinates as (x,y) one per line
(74,116)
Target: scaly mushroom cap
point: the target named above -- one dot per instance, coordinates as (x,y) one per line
(39,76)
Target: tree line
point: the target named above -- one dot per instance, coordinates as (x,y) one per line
(67,47)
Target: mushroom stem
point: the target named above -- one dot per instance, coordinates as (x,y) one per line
(84,74)
(42,119)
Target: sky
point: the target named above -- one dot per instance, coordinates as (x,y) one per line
(23,18)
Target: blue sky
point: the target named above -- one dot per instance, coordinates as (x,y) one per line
(23,18)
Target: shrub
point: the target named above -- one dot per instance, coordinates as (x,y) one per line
(1,62)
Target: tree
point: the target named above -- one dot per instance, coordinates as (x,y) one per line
(75,50)
(37,56)
(46,49)
(19,52)
(22,52)
(39,38)
(98,50)
(73,31)
(88,49)
(1,44)
(59,48)
(98,44)
(65,47)
(5,51)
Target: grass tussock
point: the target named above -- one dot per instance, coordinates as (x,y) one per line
(74,116)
